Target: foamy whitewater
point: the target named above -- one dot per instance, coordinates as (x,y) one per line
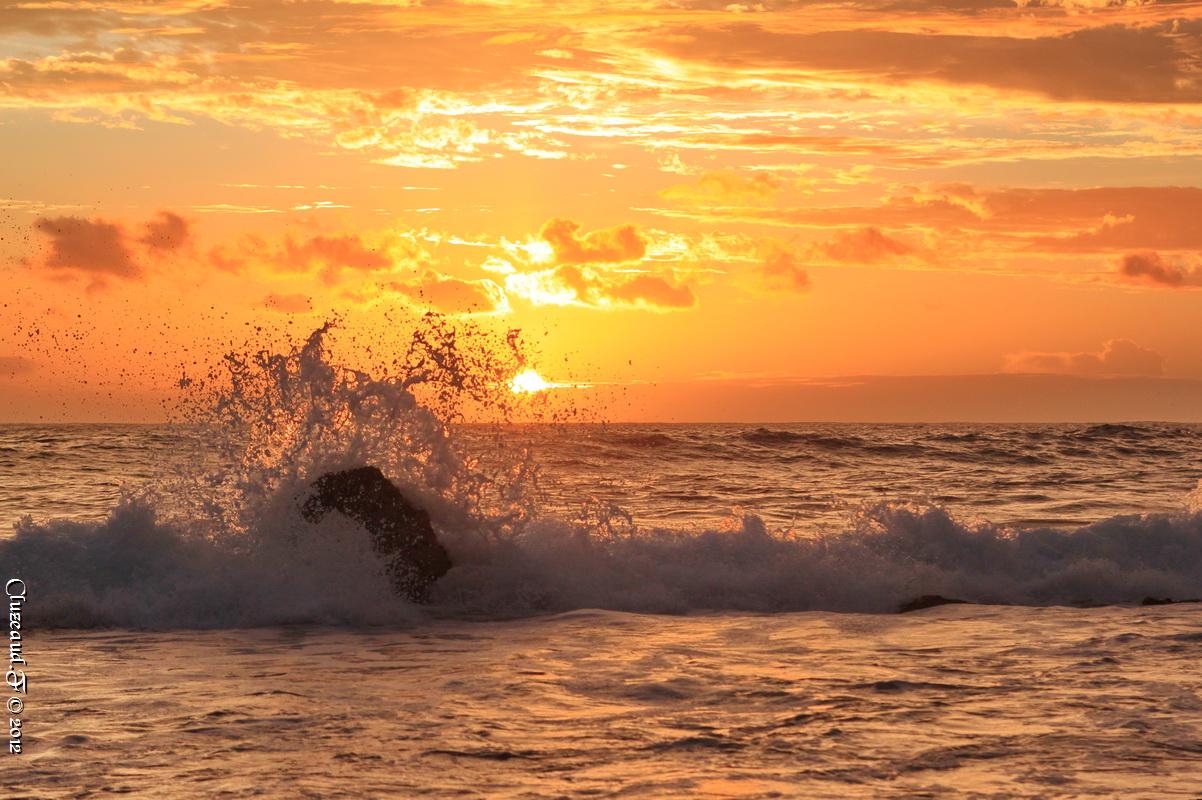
(634,610)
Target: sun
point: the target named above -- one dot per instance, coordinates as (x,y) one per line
(528,382)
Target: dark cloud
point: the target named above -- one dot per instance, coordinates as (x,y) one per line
(102,249)
(1151,269)
(51,19)
(96,246)
(1115,63)
(166,232)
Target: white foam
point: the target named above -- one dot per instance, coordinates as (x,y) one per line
(132,571)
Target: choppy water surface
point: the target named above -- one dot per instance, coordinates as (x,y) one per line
(811,476)
(961,701)
(805,477)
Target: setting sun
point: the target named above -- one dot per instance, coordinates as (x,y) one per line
(528,382)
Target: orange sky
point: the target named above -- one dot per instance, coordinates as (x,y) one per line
(715,210)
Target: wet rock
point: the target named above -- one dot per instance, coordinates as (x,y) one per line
(927,601)
(400,531)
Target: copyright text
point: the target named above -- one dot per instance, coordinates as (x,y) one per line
(18,684)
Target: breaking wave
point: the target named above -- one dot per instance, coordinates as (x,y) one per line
(223,543)
(135,571)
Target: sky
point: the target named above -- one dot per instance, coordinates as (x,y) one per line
(692,209)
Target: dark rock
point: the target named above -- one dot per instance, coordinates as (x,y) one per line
(1166,601)
(400,531)
(927,601)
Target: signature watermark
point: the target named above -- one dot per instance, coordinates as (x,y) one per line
(15,677)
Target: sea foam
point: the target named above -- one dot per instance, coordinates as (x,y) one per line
(133,571)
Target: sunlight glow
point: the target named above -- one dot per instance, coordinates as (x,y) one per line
(528,382)
(539,252)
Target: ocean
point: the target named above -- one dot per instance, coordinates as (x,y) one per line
(633,611)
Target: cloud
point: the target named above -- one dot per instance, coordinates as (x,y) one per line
(243,67)
(565,267)
(1112,63)
(97,247)
(221,258)
(166,232)
(653,292)
(1096,219)
(328,255)
(451,295)
(1053,221)
(578,285)
(781,269)
(1117,357)
(864,246)
(607,245)
(781,265)
(1151,269)
(1111,218)
(440,89)
(332,254)
(103,249)
(725,186)
(288,303)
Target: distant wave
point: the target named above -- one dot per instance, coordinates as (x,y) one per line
(769,436)
(972,436)
(830,443)
(1115,429)
(1042,445)
(643,440)
(1136,432)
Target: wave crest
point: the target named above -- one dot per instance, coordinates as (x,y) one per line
(133,571)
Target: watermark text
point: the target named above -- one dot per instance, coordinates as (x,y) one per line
(15,679)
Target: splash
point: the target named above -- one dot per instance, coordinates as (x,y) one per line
(221,540)
(432,419)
